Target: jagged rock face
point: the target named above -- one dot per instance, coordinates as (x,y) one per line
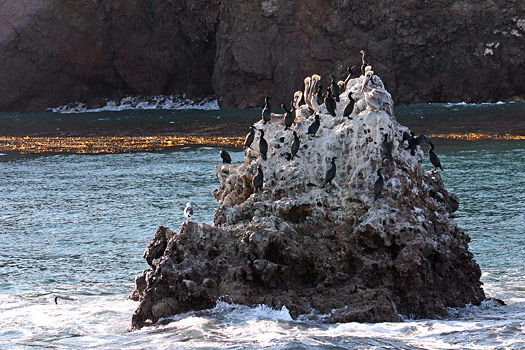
(329,253)
(54,52)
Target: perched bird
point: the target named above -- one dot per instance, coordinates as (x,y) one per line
(312,129)
(289,116)
(330,173)
(301,111)
(364,62)
(334,87)
(368,76)
(307,87)
(319,94)
(296,143)
(414,141)
(434,158)
(312,95)
(329,102)
(374,100)
(226,158)
(263,145)
(386,146)
(347,79)
(249,138)
(188,211)
(258,180)
(267,110)
(378,185)
(349,108)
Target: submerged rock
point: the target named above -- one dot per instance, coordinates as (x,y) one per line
(327,253)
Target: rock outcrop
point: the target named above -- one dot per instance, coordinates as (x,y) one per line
(329,253)
(54,52)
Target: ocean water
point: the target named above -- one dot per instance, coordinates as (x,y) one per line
(75,227)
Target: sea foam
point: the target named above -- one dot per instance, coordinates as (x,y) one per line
(141,103)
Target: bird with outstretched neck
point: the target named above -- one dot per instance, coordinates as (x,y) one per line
(267,110)
(434,158)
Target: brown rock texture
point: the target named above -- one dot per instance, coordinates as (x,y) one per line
(53,52)
(329,253)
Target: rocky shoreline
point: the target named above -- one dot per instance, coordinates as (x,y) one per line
(326,252)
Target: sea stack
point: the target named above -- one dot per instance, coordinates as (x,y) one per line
(329,254)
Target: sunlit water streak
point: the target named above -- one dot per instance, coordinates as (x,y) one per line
(76,226)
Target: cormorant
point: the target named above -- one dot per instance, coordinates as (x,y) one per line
(349,108)
(226,158)
(295,145)
(289,116)
(188,211)
(335,88)
(312,129)
(329,102)
(263,145)
(387,148)
(319,94)
(249,138)
(378,185)
(258,180)
(413,141)
(267,110)
(434,158)
(330,173)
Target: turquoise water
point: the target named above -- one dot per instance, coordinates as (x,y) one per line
(75,226)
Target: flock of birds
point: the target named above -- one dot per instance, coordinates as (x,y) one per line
(314,99)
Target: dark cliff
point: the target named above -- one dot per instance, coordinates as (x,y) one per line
(53,51)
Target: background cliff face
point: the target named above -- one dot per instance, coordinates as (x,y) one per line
(54,51)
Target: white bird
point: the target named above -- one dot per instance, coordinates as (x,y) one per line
(301,111)
(374,100)
(188,211)
(312,95)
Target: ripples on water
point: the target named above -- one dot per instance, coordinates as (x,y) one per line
(76,226)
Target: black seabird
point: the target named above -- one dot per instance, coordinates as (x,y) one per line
(258,180)
(226,158)
(387,148)
(378,185)
(249,138)
(312,129)
(295,145)
(335,88)
(289,116)
(263,145)
(329,102)
(413,141)
(434,158)
(349,108)
(330,173)
(319,94)
(267,110)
